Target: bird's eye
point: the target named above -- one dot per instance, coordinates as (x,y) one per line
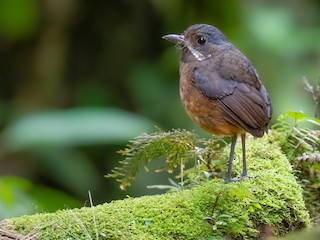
(201,40)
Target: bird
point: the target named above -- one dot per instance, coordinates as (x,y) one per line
(220,89)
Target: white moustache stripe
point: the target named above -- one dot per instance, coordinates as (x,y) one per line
(199,56)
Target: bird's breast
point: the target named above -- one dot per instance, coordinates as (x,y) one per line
(207,113)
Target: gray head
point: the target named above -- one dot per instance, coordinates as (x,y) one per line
(200,39)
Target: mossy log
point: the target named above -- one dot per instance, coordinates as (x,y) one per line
(271,202)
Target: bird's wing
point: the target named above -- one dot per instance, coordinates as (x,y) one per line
(233,65)
(241,94)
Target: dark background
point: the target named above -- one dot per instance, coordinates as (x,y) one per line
(79,78)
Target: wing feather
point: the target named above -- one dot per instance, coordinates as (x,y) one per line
(247,105)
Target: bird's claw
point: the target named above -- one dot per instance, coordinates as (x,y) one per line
(239,179)
(247,176)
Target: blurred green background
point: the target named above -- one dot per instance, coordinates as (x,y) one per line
(80,78)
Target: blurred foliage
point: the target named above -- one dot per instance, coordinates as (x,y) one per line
(302,146)
(66,67)
(19,196)
(18,19)
(310,234)
(74,127)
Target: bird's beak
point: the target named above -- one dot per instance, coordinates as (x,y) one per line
(174,38)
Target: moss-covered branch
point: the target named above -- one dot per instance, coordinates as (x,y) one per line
(240,210)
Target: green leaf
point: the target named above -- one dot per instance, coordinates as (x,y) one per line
(256,205)
(297,116)
(15,198)
(251,209)
(49,200)
(315,121)
(19,196)
(270,204)
(80,126)
(165,187)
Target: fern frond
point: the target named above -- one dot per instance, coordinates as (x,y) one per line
(176,146)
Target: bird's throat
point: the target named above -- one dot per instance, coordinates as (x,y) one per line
(198,55)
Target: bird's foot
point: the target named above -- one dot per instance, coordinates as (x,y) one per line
(243,176)
(233,179)
(238,179)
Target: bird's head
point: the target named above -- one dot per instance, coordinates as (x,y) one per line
(200,40)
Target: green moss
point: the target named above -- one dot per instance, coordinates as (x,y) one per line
(156,217)
(238,210)
(303,154)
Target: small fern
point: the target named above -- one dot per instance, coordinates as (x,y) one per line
(299,139)
(176,146)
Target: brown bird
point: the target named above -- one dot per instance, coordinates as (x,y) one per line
(219,88)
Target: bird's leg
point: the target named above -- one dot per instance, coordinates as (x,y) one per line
(233,144)
(244,166)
